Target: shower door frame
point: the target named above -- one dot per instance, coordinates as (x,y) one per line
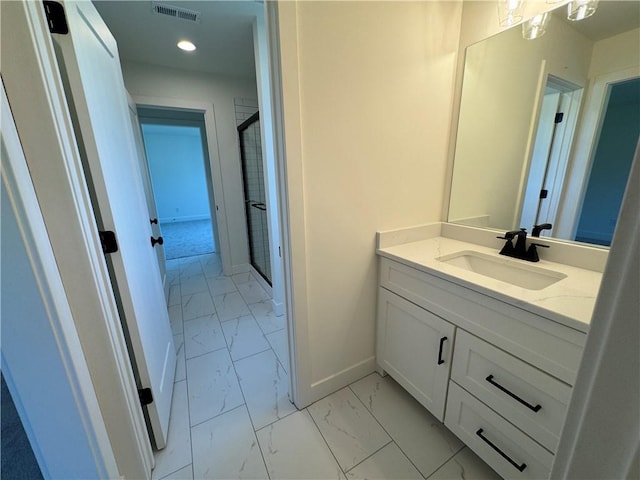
(255,118)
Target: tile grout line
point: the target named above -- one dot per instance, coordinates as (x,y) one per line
(253,427)
(367,458)
(286,370)
(447,461)
(255,431)
(403,452)
(186,384)
(382,426)
(186,379)
(206,353)
(202,316)
(325,441)
(234,367)
(243,396)
(254,354)
(281,418)
(171,473)
(216,416)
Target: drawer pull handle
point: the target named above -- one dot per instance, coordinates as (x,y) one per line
(513,395)
(440,360)
(520,468)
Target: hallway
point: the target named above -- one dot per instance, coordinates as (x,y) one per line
(231,417)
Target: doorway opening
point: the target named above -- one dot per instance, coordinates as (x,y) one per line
(617,142)
(550,157)
(178,163)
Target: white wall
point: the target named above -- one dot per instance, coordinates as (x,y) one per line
(367,92)
(245,107)
(177,172)
(161,82)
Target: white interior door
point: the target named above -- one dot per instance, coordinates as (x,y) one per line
(539,160)
(89,61)
(148,192)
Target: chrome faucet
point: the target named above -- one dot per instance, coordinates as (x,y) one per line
(520,249)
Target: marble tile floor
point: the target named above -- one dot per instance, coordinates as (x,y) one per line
(231,416)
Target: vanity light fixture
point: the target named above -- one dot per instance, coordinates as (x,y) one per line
(186,45)
(581,9)
(536,27)
(510,12)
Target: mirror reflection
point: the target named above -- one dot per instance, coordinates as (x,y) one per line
(548,127)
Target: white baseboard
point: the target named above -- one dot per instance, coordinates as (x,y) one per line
(240,268)
(261,280)
(339,380)
(188,218)
(278,308)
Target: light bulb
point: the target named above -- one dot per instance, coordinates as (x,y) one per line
(186,45)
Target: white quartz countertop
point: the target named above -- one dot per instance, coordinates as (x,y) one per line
(569,301)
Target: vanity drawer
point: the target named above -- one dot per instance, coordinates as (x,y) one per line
(530,399)
(502,446)
(550,346)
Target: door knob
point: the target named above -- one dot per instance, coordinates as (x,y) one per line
(158,240)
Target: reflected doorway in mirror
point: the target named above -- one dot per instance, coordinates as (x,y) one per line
(554,137)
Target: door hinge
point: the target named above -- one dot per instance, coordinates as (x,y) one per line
(543,193)
(145,395)
(108,241)
(559,117)
(279,251)
(56,18)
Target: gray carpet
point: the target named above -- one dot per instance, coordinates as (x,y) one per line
(18,461)
(186,239)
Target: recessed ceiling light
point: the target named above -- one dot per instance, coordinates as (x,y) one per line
(186,45)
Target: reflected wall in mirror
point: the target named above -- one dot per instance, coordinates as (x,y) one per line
(548,127)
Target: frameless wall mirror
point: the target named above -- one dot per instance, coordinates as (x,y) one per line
(548,127)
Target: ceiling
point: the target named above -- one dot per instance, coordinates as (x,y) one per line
(223,34)
(611,18)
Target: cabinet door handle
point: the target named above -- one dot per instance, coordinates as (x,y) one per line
(513,395)
(520,468)
(440,360)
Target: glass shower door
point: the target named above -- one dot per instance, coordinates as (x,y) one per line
(254,195)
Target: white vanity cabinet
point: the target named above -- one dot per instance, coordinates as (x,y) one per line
(415,347)
(501,380)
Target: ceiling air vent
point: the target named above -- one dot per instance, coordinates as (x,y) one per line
(175,12)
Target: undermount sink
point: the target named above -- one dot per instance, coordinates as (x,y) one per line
(505,270)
